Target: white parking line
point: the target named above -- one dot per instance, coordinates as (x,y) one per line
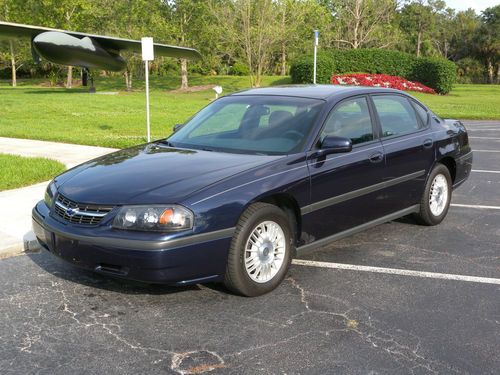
(484,138)
(481,207)
(396,271)
(482,130)
(484,171)
(485,150)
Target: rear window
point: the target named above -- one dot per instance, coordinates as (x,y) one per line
(396,115)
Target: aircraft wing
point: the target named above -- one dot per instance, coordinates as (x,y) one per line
(113,45)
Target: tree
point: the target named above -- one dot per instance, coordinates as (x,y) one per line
(464,24)
(12,11)
(251,31)
(133,19)
(365,23)
(187,21)
(297,20)
(487,42)
(416,21)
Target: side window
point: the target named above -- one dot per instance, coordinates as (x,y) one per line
(350,119)
(421,112)
(396,115)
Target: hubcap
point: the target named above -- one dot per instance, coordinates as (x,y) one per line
(438,197)
(265,251)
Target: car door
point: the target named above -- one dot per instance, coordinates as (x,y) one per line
(408,147)
(345,187)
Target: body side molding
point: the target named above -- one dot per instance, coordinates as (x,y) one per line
(357,193)
(396,215)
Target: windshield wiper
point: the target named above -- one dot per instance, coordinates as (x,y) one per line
(167,143)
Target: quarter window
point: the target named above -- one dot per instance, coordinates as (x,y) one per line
(396,115)
(422,113)
(350,119)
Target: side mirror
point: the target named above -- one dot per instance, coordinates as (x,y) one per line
(177,127)
(334,145)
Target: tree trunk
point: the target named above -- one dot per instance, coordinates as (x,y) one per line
(490,70)
(13,64)
(283,44)
(283,60)
(184,75)
(69,81)
(498,73)
(419,42)
(128,80)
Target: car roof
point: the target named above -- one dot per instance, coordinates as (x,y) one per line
(314,91)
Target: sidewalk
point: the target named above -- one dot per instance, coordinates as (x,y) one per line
(68,154)
(16,204)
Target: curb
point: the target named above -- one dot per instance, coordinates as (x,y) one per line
(20,249)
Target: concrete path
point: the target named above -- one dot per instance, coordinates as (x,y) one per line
(16,204)
(68,154)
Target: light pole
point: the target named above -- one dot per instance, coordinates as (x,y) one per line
(148,55)
(316,38)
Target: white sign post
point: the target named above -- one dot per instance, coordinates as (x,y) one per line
(148,54)
(316,38)
(218,91)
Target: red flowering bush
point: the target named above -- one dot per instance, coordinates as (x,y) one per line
(380,80)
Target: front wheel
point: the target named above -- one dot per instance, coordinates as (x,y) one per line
(260,252)
(437,196)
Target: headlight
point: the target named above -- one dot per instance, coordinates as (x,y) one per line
(50,192)
(154,218)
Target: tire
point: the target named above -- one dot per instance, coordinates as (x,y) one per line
(436,199)
(263,237)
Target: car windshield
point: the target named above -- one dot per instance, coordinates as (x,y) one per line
(270,125)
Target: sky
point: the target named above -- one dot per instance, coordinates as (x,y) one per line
(477,5)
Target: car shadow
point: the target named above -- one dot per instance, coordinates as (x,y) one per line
(62,270)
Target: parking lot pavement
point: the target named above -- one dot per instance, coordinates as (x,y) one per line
(56,319)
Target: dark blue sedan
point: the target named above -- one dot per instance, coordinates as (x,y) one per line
(252,180)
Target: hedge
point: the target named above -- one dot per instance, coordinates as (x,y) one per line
(437,73)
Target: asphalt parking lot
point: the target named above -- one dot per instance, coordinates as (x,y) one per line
(442,318)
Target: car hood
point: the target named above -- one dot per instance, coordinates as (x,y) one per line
(151,173)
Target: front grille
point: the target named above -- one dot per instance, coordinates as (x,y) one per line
(77,213)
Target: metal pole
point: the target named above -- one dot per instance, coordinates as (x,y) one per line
(315,50)
(147,100)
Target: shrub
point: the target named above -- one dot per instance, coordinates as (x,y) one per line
(436,73)
(239,69)
(302,68)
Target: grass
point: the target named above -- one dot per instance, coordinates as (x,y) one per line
(18,171)
(74,116)
(474,102)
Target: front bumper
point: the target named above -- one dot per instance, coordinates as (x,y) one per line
(181,260)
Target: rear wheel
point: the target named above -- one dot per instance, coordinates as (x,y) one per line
(260,252)
(437,196)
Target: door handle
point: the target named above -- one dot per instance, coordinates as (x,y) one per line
(376,157)
(428,143)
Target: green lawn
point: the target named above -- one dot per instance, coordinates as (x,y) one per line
(480,102)
(74,116)
(17,171)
